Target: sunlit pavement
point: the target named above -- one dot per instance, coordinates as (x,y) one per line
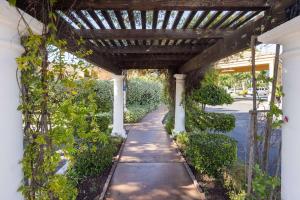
(150,167)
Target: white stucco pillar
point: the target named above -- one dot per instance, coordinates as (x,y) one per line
(118,108)
(288,34)
(11,142)
(179,107)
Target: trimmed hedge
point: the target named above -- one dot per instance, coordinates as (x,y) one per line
(216,122)
(211,153)
(143,96)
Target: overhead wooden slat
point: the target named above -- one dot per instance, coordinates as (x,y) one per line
(180,5)
(131,19)
(110,23)
(249,17)
(73,19)
(237,41)
(72,47)
(212,19)
(223,19)
(200,19)
(155,17)
(84,18)
(132,22)
(177,19)
(108,19)
(96,18)
(144,21)
(153,49)
(99,23)
(237,17)
(189,19)
(120,19)
(166,19)
(165,24)
(158,34)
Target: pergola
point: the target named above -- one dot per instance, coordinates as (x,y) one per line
(186,37)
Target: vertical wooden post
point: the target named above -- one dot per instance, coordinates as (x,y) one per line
(253,125)
(270,117)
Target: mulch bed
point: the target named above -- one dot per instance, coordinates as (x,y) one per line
(92,187)
(212,188)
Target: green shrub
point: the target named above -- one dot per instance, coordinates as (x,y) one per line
(135,113)
(211,153)
(104,98)
(234,181)
(198,120)
(103,121)
(211,95)
(94,158)
(263,184)
(220,122)
(182,139)
(144,92)
(169,122)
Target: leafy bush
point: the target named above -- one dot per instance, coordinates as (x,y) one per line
(144,92)
(93,158)
(104,98)
(234,181)
(135,113)
(182,139)
(211,153)
(169,122)
(263,184)
(198,120)
(103,121)
(143,96)
(211,95)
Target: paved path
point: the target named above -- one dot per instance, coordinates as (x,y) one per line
(150,167)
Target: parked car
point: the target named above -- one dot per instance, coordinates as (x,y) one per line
(261,91)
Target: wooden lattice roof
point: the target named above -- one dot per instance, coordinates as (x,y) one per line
(177,34)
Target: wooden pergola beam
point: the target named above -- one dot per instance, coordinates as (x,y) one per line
(150,57)
(237,41)
(180,5)
(152,49)
(144,34)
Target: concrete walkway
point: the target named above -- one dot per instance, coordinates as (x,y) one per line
(150,167)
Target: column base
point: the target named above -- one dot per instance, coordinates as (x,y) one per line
(119,132)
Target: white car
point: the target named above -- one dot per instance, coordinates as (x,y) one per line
(261,91)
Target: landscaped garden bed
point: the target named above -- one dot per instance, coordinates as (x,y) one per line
(92,186)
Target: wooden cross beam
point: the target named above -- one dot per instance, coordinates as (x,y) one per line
(145,34)
(152,49)
(148,57)
(180,5)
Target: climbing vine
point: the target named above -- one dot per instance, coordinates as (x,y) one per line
(57,121)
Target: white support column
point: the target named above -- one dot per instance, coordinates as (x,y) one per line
(11,142)
(179,108)
(288,34)
(118,119)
